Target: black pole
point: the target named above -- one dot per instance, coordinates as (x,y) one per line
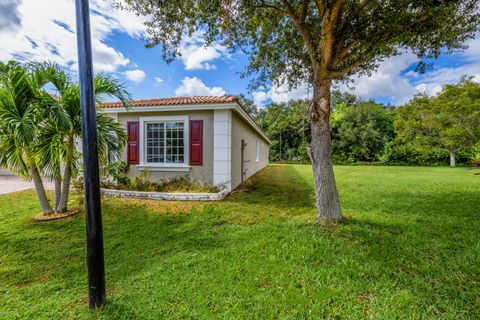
(95,263)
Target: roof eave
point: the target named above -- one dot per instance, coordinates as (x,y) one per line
(236,106)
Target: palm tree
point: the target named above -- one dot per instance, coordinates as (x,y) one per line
(21,104)
(64,126)
(38,130)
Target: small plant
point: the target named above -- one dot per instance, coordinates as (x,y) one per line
(177,184)
(78,185)
(142,182)
(184,184)
(114,171)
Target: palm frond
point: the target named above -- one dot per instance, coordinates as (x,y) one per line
(106,85)
(112,138)
(50,149)
(11,155)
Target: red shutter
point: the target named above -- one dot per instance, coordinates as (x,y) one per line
(196,142)
(133,141)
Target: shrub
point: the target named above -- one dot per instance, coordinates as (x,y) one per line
(142,182)
(114,171)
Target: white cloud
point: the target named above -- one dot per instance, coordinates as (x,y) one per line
(259,97)
(195,87)
(432,82)
(158,81)
(46,32)
(387,82)
(390,82)
(10,15)
(136,76)
(282,93)
(195,55)
(473,51)
(429,88)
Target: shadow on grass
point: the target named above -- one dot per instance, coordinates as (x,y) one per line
(134,238)
(276,186)
(419,241)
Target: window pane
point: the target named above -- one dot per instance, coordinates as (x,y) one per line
(165,142)
(175,142)
(155,142)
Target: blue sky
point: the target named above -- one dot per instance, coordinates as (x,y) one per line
(222,72)
(29,30)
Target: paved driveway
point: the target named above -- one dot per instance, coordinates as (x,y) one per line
(10,184)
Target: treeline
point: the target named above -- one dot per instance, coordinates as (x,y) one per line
(439,130)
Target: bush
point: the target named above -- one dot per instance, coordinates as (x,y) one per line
(142,182)
(360,132)
(410,154)
(114,171)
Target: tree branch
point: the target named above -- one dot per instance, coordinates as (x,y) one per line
(353,49)
(340,52)
(304,10)
(329,25)
(270,6)
(320,7)
(302,29)
(335,74)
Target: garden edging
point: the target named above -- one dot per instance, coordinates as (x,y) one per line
(165,195)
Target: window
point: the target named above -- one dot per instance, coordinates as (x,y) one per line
(164,142)
(258,151)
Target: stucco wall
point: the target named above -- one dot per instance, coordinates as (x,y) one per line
(240,130)
(202,174)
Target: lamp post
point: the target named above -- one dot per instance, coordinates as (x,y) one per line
(95,260)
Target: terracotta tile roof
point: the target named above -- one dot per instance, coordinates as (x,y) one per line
(173,101)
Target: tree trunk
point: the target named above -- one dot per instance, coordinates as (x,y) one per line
(58,193)
(42,196)
(452,159)
(67,176)
(328,202)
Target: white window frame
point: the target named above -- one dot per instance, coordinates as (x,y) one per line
(257,146)
(186,143)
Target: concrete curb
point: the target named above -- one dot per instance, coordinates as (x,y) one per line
(165,195)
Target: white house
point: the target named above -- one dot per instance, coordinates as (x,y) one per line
(211,139)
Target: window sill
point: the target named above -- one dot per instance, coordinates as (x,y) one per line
(165,168)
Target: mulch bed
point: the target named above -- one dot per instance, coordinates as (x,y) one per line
(56,216)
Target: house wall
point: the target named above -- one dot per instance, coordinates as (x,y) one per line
(241,130)
(202,174)
(222,150)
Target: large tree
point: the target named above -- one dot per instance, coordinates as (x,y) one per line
(361,131)
(288,127)
(448,121)
(315,41)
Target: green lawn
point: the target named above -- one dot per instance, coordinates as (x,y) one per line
(409,249)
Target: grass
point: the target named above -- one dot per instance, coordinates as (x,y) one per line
(409,249)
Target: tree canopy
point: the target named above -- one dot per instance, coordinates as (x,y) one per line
(291,39)
(360,131)
(449,121)
(288,127)
(314,41)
